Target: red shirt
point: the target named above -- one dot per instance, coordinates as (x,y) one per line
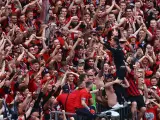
(32,85)
(152,111)
(70,103)
(82,94)
(133,88)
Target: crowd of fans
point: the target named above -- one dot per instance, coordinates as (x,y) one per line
(81,56)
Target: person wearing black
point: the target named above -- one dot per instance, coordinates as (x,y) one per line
(118,56)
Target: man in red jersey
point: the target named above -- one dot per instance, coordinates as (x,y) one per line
(67,99)
(84,100)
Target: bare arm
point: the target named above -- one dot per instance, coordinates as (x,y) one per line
(30,39)
(111,7)
(126,84)
(64,79)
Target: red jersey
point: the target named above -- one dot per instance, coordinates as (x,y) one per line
(82,94)
(68,101)
(132,90)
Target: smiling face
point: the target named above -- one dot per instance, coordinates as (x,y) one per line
(129,12)
(70,78)
(153,24)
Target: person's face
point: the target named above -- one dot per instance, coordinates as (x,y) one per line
(22,18)
(14,19)
(145,61)
(32,51)
(102,2)
(87,18)
(80,69)
(56,42)
(35,66)
(106,67)
(49,87)
(154,82)
(35,116)
(19,97)
(158,33)
(112,42)
(115,33)
(129,12)
(138,4)
(62,20)
(26,92)
(20,109)
(95,46)
(149,48)
(75,20)
(9,9)
(36,49)
(100,14)
(30,15)
(91,62)
(141,33)
(156,44)
(50,13)
(90,75)
(130,31)
(139,74)
(91,7)
(111,17)
(123,6)
(74,9)
(149,4)
(71,78)
(129,60)
(47,76)
(59,3)
(125,33)
(139,52)
(80,52)
(59,57)
(140,81)
(64,12)
(153,24)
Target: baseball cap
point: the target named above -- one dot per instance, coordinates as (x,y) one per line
(81,61)
(65,88)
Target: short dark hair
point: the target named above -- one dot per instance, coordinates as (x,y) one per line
(34,61)
(129,7)
(116,39)
(153,77)
(82,77)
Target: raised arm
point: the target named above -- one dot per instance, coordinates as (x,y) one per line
(111,7)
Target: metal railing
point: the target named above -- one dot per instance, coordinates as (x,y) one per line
(123,113)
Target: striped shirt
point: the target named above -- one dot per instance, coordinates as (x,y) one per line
(133,89)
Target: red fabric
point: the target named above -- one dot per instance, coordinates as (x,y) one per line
(61,40)
(147,82)
(82,94)
(70,103)
(152,110)
(32,85)
(132,90)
